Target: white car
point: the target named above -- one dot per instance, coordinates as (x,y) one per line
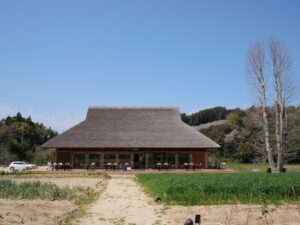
(18,166)
(31,165)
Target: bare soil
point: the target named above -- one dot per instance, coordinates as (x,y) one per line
(235,215)
(43,212)
(34,212)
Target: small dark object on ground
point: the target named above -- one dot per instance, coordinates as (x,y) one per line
(269,170)
(189,222)
(157,199)
(197,219)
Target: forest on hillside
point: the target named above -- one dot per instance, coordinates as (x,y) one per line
(20,138)
(242,138)
(206,116)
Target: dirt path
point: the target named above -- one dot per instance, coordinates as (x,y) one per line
(123,203)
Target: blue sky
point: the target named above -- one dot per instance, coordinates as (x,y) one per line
(59,57)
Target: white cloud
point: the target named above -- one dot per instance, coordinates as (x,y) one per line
(58,123)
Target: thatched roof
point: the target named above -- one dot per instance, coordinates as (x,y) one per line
(131,127)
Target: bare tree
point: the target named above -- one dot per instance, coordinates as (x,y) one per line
(284,89)
(256,71)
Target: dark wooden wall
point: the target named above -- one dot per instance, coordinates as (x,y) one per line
(198,155)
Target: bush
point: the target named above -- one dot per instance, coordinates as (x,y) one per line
(44,159)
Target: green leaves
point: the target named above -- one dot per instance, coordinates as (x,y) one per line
(20,136)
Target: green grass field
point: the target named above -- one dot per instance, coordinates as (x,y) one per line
(212,189)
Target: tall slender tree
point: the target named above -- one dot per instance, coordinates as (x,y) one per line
(280,71)
(283,89)
(256,71)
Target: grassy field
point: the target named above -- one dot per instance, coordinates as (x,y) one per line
(211,189)
(38,190)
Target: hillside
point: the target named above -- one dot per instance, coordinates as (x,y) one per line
(242,138)
(207,125)
(206,116)
(20,138)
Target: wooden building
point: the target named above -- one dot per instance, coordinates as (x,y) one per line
(140,136)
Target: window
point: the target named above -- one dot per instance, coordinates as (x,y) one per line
(95,158)
(124,158)
(158,157)
(79,160)
(183,158)
(170,158)
(150,160)
(109,158)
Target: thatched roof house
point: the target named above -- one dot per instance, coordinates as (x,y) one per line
(142,136)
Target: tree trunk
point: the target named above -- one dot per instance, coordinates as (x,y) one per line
(266,128)
(279,136)
(265,121)
(279,62)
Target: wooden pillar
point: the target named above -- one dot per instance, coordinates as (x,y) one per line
(206,159)
(176,160)
(86,157)
(72,157)
(131,158)
(55,157)
(147,160)
(117,157)
(101,159)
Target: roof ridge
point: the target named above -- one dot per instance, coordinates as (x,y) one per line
(135,107)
